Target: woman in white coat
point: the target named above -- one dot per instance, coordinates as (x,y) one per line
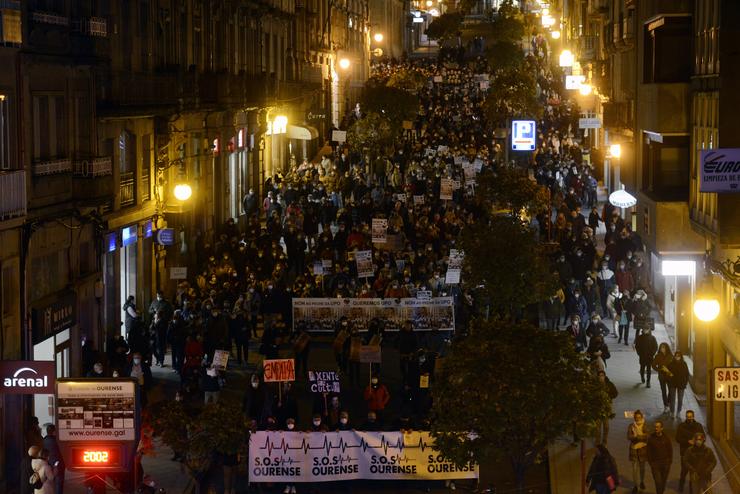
(46,473)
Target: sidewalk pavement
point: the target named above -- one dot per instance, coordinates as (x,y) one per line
(623,370)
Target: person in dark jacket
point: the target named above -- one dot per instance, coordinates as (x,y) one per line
(597,349)
(159,330)
(660,364)
(596,327)
(700,461)
(677,383)
(211,385)
(685,433)
(140,370)
(603,476)
(577,332)
(176,337)
(55,457)
(254,403)
(659,456)
(577,305)
(646,345)
(408,346)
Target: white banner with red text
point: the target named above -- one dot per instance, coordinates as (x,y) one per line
(349,455)
(322,314)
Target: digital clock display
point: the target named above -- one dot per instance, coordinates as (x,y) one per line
(95,457)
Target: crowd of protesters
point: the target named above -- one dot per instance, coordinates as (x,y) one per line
(251,270)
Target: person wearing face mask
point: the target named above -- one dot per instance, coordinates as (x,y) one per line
(700,461)
(97,371)
(254,403)
(596,327)
(317,425)
(637,434)
(140,370)
(344,424)
(371,424)
(576,305)
(376,396)
(660,456)
(661,360)
(577,332)
(677,383)
(646,346)
(623,306)
(685,433)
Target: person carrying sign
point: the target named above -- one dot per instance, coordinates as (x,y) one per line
(376,396)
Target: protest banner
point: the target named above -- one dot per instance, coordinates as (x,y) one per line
(458,160)
(424,381)
(469,171)
(322,314)
(452,277)
(339,135)
(220,359)
(364,260)
(293,457)
(442,149)
(279,370)
(418,200)
(370,354)
(380,230)
(445,190)
(394,242)
(326,263)
(324,381)
(455,259)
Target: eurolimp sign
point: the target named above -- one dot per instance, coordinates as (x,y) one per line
(720,170)
(27,377)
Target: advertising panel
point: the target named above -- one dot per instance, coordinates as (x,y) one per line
(720,170)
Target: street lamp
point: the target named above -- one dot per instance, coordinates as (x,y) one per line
(585,89)
(555,34)
(706,308)
(615,151)
(378,37)
(183,191)
(344,63)
(566,58)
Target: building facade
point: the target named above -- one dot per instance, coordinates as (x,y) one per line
(108,106)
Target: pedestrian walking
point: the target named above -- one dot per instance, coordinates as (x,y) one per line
(56,461)
(623,308)
(677,383)
(685,433)
(659,456)
(637,435)
(603,476)
(41,467)
(602,431)
(646,346)
(700,461)
(660,364)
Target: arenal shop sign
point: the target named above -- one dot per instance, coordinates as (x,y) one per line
(27,377)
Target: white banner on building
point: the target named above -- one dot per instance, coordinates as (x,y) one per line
(720,170)
(322,314)
(349,455)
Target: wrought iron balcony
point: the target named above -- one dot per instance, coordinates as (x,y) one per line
(13,197)
(94,167)
(51,167)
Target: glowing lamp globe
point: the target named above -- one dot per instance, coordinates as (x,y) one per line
(378,37)
(183,192)
(344,63)
(706,309)
(555,34)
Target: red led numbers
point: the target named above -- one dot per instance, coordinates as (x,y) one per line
(95,456)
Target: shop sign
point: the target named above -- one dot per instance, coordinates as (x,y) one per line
(523,135)
(178,273)
(574,81)
(339,135)
(315,116)
(27,377)
(589,123)
(129,235)
(60,314)
(166,236)
(727,384)
(720,170)
(148,229)
(111,242)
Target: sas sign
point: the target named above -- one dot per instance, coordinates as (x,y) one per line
(523,135)
(727,384)
(720,170)
(27,377)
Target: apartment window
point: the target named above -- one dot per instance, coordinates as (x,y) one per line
(146,166)
(127,167)
(667,41)
(5,163)
(49,127)
(666,168)
(82,120)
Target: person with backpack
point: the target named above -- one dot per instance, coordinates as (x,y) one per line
(603,476)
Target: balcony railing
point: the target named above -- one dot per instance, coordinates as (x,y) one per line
(128,189)
(146,192)
(93,26)
(587,47)
(52,167)
(50,18)
(13,197)
(92,168)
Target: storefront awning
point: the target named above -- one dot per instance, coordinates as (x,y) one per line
(302,132)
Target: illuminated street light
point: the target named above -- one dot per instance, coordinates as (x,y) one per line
(378,52)
(344,63)
(706,309)
(378,37)
(434,13)
(615,151)
(183,191)
(555,34)
(585,89)
(430,3)
(280,124)
(566,58)
(548,20)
